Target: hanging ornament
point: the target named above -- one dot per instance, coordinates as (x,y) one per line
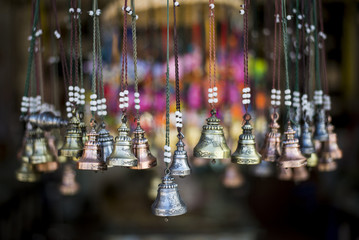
(106,142)
(179,165)
(69,186)
(168,202)
(140,145)
(232,177)
(271,149)
(335,151)
(212,144)
(40,154)
(246,152)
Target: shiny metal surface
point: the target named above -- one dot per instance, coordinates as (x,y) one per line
(45,120)
(106,142)
(320,131)
(306,142)
(271,149)
(41,153)
(179,165)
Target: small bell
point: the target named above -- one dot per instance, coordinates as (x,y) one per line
(271,148)
(91,157)
(168,202)
(335,151)
(141,150)
(246,152)
(300,174)
(291,156)
(40,152)
(312,161)
(320,131)
(212,144)
(306,141)
(82,127)
(73,145)
(326,161)
(232,178)
(69,186)
(106,142)
(179,165)
(45,120)
(122,155)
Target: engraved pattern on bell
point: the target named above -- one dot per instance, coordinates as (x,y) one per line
(41,153)
(141,149)
(246,152)
(320,131)
(168,202)
(122,155)
(271,148)
(212,144)
(179,165)
(106,142)
(291,156)
(45,120)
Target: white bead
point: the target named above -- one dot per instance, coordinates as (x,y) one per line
(128,9)
(279,91)
(137,107)
(71,99)
(312,27)
(176,4)
(273,91)
(287,91)
(103,100)
(125,105)
(278,97)
(82,90)
(210,90)
(299,26)
(287,97)
(215,89)
(273,96)
(122,94)
(77,89)
(288,103)
(105,113)
(289,17)
(167,154)
(210,100)
(126,99)
(71,88)
(300,17)
(23,109)
(177,113)
(241,12)
(77,94)
(68,104)
(167,160)
(277,103)
(98,101)
(82,102)
(137,94)
(167,148)
(93,103)
(215,100)
(93,96)
(24,98)
(211,5)
(122,99)
(125,92)
(295,93)
(68,109)
(272,103)
(71,94)
(69,115)
(120,106)
(210,95)
(82,97)
(215,94)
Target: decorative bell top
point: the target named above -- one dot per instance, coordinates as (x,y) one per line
(274,126)
(104,135)
(289,136)
(167,182)
(213,122)
(139,132)
(247,132)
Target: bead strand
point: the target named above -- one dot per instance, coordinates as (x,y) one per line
(287,98)
(25,104)
(167,154)
(179,119)
(137,101)
(275,97)
(318,97)
(296,99)
(246,96)
(327,103)
(93,102)
(69,109)
(102,107)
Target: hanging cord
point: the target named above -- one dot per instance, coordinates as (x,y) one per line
(93,96)
(123,99)
(305,65)
(246,92)
(296,92)
(81,85)
(318,93)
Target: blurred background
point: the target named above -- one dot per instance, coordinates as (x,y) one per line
(116,204)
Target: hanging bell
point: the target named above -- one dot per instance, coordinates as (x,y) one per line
(300,174)
(40,152)
(335,151)
(326,161)
(285,174)
(296,126)
(271,148)
(312,161)
(246,152)
(168,202)
(306,141)
(291,156)
(45,120)
(141,150)
(82,127)
(179,165)
(73,145)
(232,178)
(320,131)
(212,144)
(122,155)
(106,142)
(69,186)
(91,157)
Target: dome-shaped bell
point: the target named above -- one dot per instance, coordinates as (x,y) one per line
(320,131)
(122,155)
(212,144)
(69,186)
(334,150)
(141,150)
(106,142)
(179,165)
(168,202)
(306,142)
(73,145)
(91,157)
(41,153)
(326,161)
(291,156)
(271,148)
(246,152)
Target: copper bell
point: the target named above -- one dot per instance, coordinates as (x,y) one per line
(326,161)
(179,165)
(306,141)
(73,145)
(91,157)
(320,131)
(69,186)
(291,156)
(122,155)
(335,151)
(300,174)
(106,142)
(232,178)
(271,148)
(141,150)
(40,152)
(212,144)
(285,174)
(168,202)
(246,152)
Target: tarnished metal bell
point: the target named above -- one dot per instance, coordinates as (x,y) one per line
(141,149)
(291,156)
(334,150)
(69,186)
(41,153)
(320,131)
(82,126)
(45,120)
(73,145)
(296,126)
(312,161)
(106,142)
(232,178)
(179,165)
(246,152)
(326,161)
(285,174)
(122,155)
(212,144)
(91,157)
(300,174)
(168,202)
(305,140)
(271,148)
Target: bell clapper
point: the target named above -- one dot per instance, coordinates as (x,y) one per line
(213,161)
(166,219)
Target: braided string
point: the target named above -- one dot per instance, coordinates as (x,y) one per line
(134,40)
(296,86)
(317,67)
(81,85)
(94,7)
(124,84)
(323,55)
(245,53)
(175,40)
(211,23)
(76,50)
(168,85)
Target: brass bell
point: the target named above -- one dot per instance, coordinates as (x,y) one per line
(271,148)
(300,174)
(320,131)
(312,161)
(306,141)
(69,186)
(168,202)
(335,151)
(40,152)
(122,155)
(45,120)
(285,174)
(141,149)
(326,161)
(179,165)
(232,178)
(82,127)
(73,145)
(212,144)
(106,142)
(91,157)
(53,164)
(291,156)
(246,152)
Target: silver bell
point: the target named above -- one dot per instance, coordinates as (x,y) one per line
(106,142)
(179,165)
